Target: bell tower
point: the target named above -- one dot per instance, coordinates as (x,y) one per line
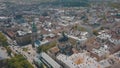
(34,34)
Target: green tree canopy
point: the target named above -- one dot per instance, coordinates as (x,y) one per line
(18,62)
(3,40)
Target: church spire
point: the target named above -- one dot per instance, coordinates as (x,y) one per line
(34,34)
(34,28)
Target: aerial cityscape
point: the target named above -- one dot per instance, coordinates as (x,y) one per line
(59,33)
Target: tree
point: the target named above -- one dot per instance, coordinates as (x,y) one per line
(3,63)
(18,62)
(63,34)
(39,49)
(95,32)
(9,51)
(102,28)
(3,40)
(46,47)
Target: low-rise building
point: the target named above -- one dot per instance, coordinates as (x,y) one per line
(100,53)
(79,60)
(23,38)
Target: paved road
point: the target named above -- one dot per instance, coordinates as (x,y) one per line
(3,54)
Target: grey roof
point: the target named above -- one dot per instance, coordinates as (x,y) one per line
(53,63)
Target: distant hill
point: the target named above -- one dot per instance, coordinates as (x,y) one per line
(67,3)
(38,1)
(70,3)
(25,1)
(43,1)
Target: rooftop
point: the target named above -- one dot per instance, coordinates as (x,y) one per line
(53,63)
(80,60)
(21,33)
(103,50)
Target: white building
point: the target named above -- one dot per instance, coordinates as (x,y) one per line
(102,51)
(80,60)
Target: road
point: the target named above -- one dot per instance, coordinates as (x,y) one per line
(3,54)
